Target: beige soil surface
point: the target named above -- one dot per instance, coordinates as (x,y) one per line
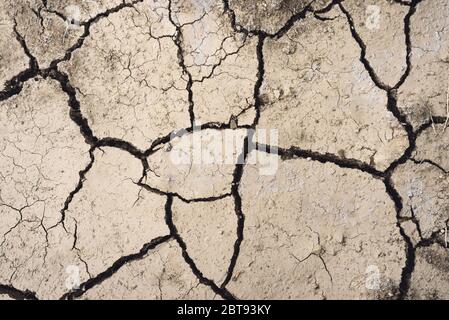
(224,149)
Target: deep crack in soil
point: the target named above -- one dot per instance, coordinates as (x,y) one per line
(220,46)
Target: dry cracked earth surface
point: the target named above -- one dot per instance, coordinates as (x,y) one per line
(96,98)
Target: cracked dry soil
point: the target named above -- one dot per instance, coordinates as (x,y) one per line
(91,207)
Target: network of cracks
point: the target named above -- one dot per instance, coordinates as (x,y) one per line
(97,93)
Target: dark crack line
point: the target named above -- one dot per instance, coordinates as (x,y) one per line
(391,91)
(178,43)
(262,35)
(176,195)
(402,2)
(15,85)
(408,42)
(407,23)
(122,145)
(159,142)
(362,46)
(327,8)
(221,60)
(412,136)
(292,21)
(116,266)
(79,186)
(408,269)
(430,162)
(435,238)
(392,106)
(237,177)
(410,255)
(415,221)
(295,152)
(17,294)
(224,293)
(258,32)
(32,60)
(75,107)
(260,79)
(87,25)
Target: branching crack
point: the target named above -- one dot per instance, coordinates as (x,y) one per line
(14,86)
(224,293)
(116,266)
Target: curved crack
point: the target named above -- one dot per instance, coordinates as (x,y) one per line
(79,186)
(224,293)
(14,87)
(116,266)
(237,177)
(17,294)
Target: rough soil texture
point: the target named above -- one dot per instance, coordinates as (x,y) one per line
(104,193)
(325,244)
